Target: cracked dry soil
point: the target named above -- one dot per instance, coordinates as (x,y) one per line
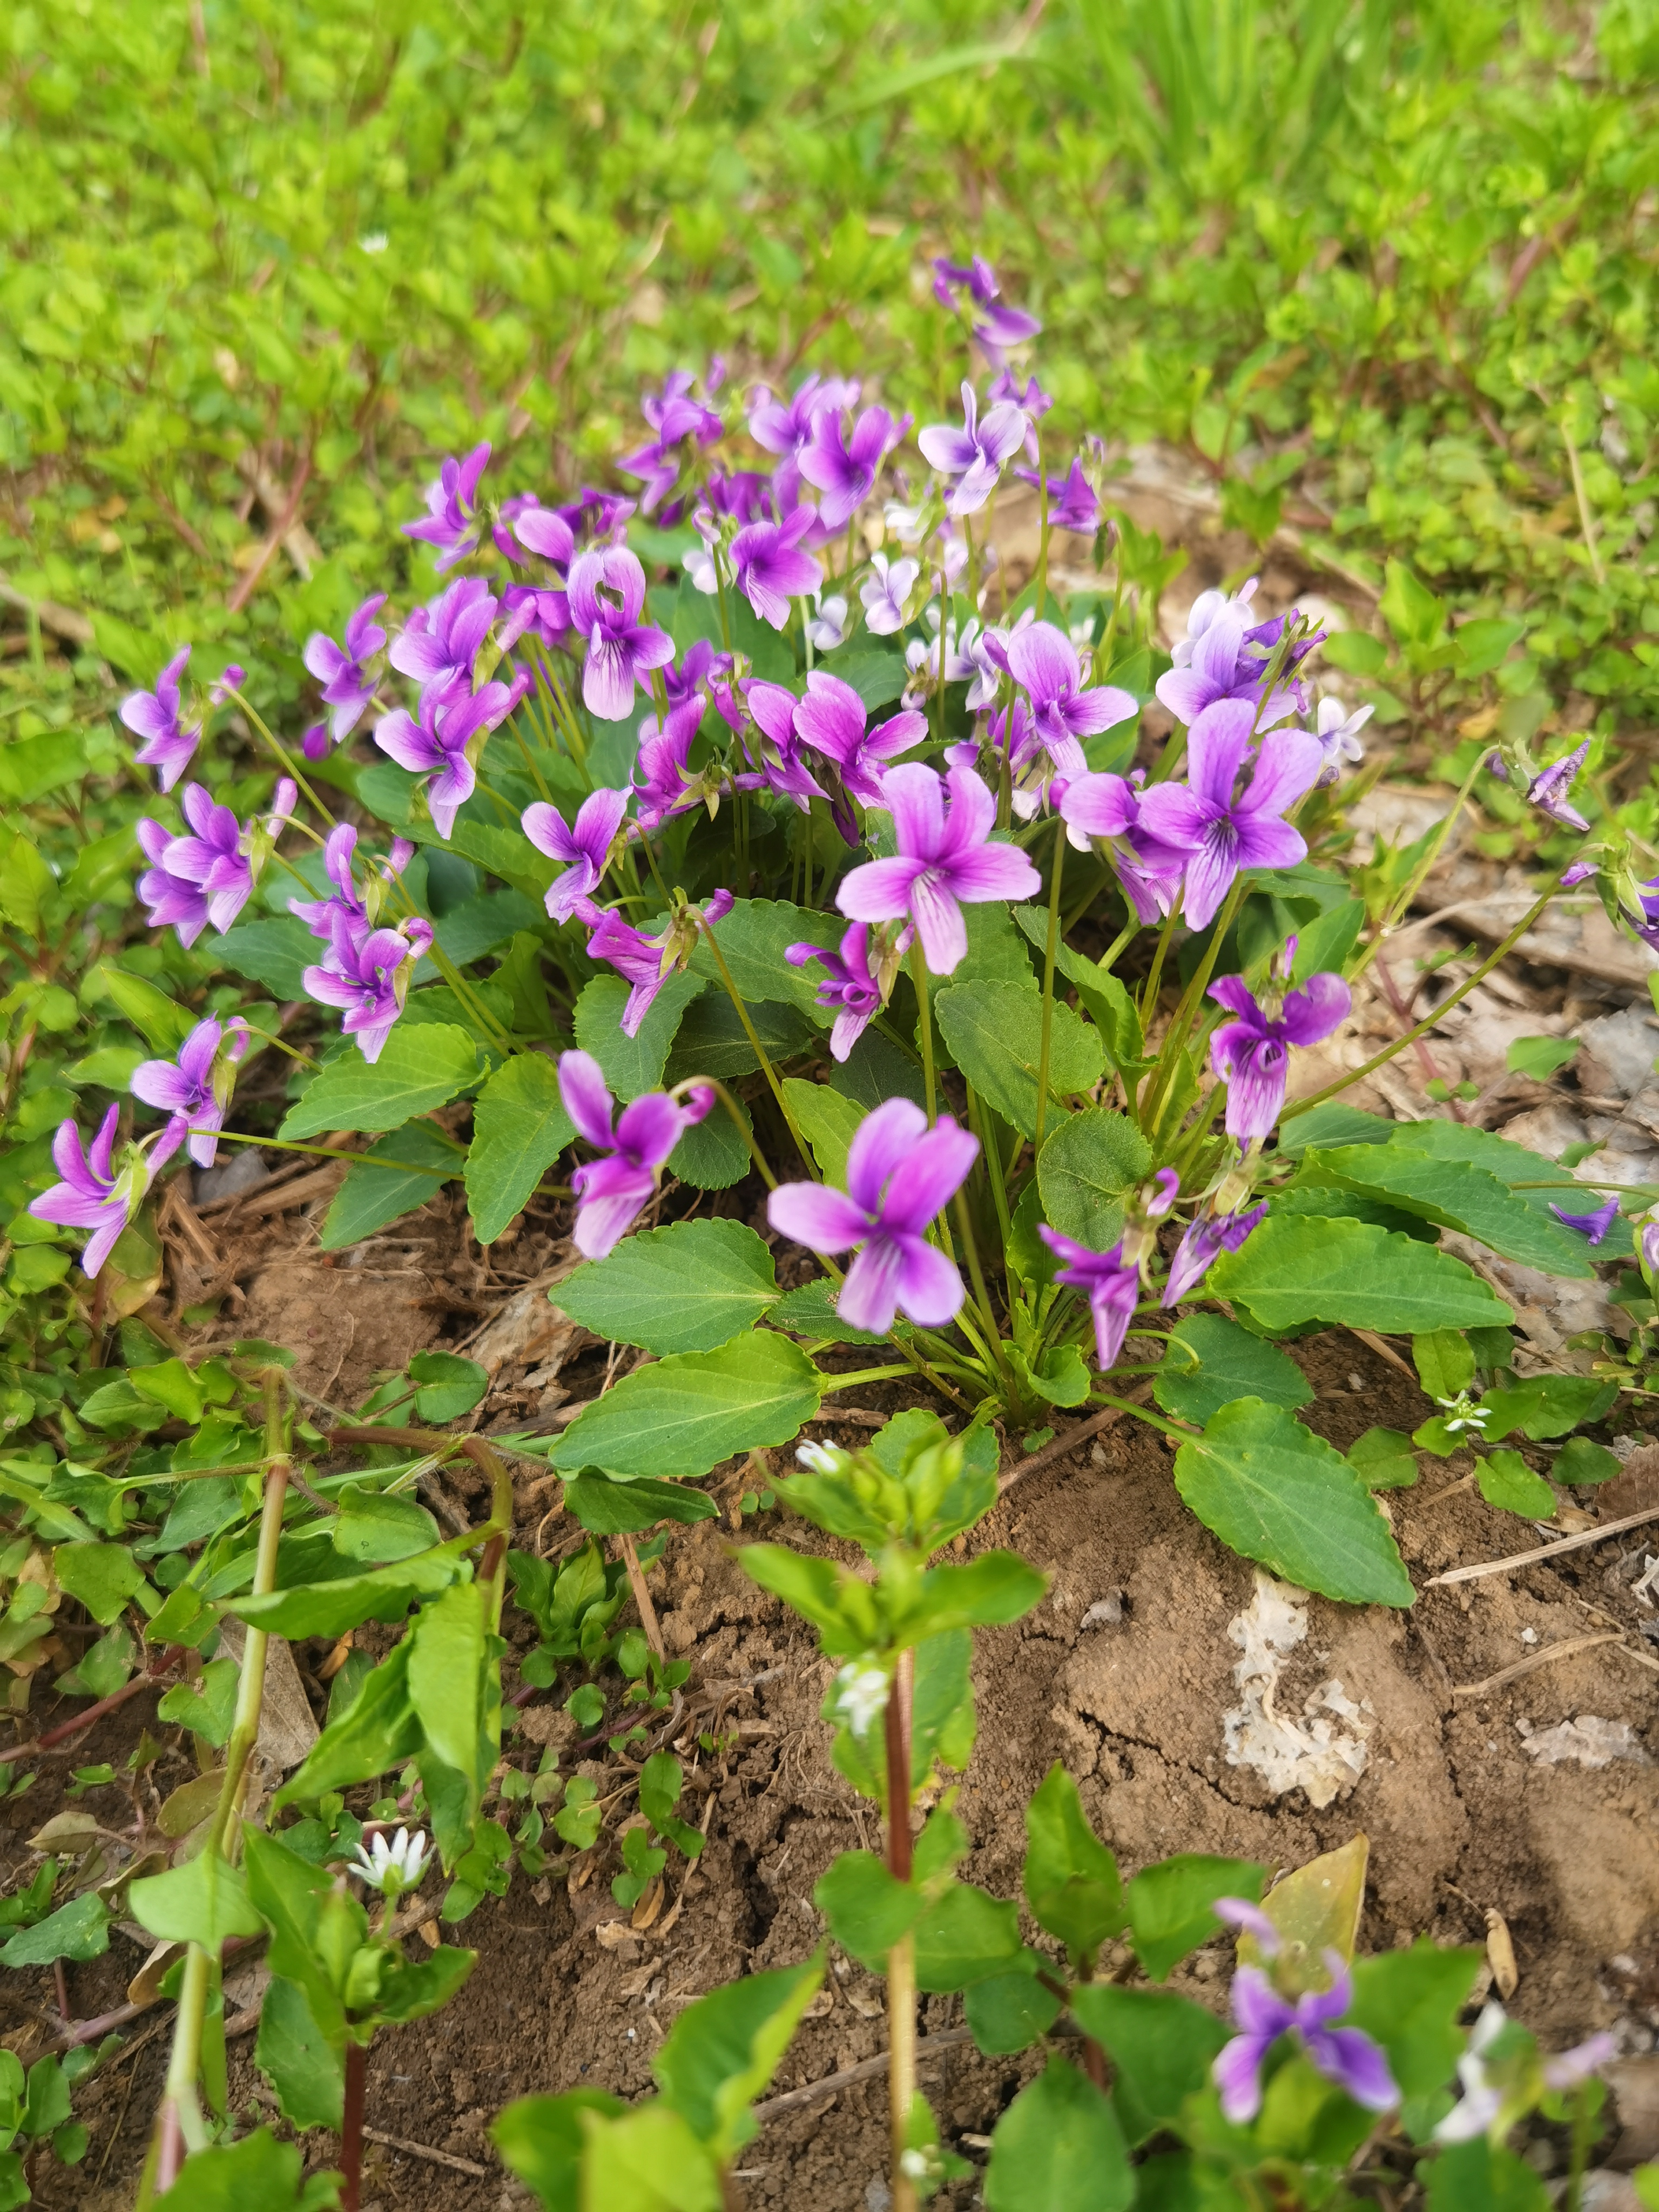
(1461,1819)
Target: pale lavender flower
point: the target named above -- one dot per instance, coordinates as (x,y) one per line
(770,567)
(675,414)
(1223,656)
(440,644)
(663,756)
(1483,2099)
(996,326)
(1567,2068)
(1592,1226)
(1346,2056)
(851,985)
(1108,807)
(785,426)
(1111,1284)
(1647,1245)
(1550,790)
(1338,732)
(539,530)
(943,859)
(583,848)
(1251,1054)
(1208,1235)
(831,718)
(827,628)
(844,468)
(607,596)
(1580,872)
(900,1174)
(348,685)
(646,962)
(1073,502)
(972,458)
(886,593)
(169,741)
(449,738)
(94,1193)
(368,978)
(452,518)
(195,1089)
(205,876)
(1221,833)
(1043,660)
(611,1192)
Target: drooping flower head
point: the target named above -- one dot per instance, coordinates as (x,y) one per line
(1251,1053)
(94,1193)
(1109,1282)
(944,860)
(440,644)
(155,716)
(1108,808)
(450,522)
(646,962)
(449,737)
(583,848)
(208,874)
(1593,1226)
(1043,661)
(778,748)
(611,1191)
(900,1174)
(972,458)
(995,323)
(771,569)
(194,1089)
(1223,832)
(368,978)
(1208,1235)
(832,720)
(1338,732)
(844,468)
(1074,503)
(1551,789)
(607,596)
(664,782)
(344,671)
(856,986)
(1346,2056)
(359,910)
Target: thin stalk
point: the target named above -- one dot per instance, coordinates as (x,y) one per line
(1049,952)
(994,1176)
(760,1052)
(1126,935)
(1399,905)
(352,2127)
(1128,1405)
(902,1958)
(919,973)
(1382,1059)
(1190,999)
(1586,521)
(864,1375)
(743,1127)
(464,991)
(335,1152)
(1043,538)
(647,1612)
(993,1335)
(536,775)
(283,755)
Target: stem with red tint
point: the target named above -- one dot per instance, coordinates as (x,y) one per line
(902,1958)
(352,2127)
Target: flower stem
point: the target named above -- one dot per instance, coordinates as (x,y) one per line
(464,991)
(760,1052)
(919,974)
(337,1152)
(743,1127)
(282,753)
(902,1958)
(992,1335)
(352,2127)
(1049,951)
(1401,904)
(1042,539)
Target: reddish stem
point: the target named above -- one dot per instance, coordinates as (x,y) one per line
(352,2127)
(152,1675)
(897,1726)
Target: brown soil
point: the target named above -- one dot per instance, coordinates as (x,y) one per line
(1461,1819)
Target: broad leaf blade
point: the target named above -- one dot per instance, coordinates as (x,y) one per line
(994,1031)
(684,1414)
(688,1287)
(520,1127)
(1290,1271)
(418,1069)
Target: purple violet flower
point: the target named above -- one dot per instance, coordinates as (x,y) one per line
(1072,504)
(1346,2056)
(886,593)
(1111,1284)
(1208,1235)
(209,874)
(369,976)
(153,716)
(900,1174)
(675,415)
(851,985)
(607,595)
(1043,660)
(359,914)
(92,1194)
(997,326)
(449,738)
(646,962)
(539,530)
(441,643)
(663,756)
(1223,833)
(831,718)
(943,858)
(782,768)
(195,1089)
(452,518)
(1107,808)
(584,848)
(1251,1054)
(770,567)
(1592,1226)
(348,688)
(844,468)
(785,426)
(972,458)
(1550,790)
(1223,657)
(611,1192)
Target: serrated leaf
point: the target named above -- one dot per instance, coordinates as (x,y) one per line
(520,1127)
(753,939)
(1162,2047)
(684,1414)
(1211,1361)
(688,1287)
(1171,1903)
(1455,1194)
(372,1194)
(994,1033)
(1290,1271)
(612,1508)
(275,951)
(811,1312)
(418,1069)
(633,1064)
(712,1041)
(828,1121)
(1275,1492)
(1086,1169)
(1539,1184)
(1059,2147)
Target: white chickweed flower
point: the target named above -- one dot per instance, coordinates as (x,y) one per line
(396,1866)
(860,1696)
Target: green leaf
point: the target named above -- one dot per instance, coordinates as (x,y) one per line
(1537,1183)
(296,2058)
(202,1901)
(722,2051)
(520,1127)
(330,1608)
(868,1908)
(159,1018)
(683,1415)
(753,939)
(714,1153)
(1507,1482)
(1009,2012)
(449,1385)
(689,1287)
(964,1936)
(1409,2001)
(1058,2148)
(1482,2177)
(1162,2047)
(711,1040)
(447,1666)
(379,1529)
(1290,1271)
(102,1575)
(418,1069)
(633,1064)
(1071,1879)
(1455,1194)
(541,2139)
(1105,999)
(372,1195)
(811,1312)
(1540,1405)
(1273,1491)
(1355,652)
(828,1121)
(79,1929)
(613,1509)
(994,1032)
(1444,1360)
(990,1591)
(316,1927)
(1540,1057)
(1384,1460)
(275,952)
(257,2174)
(376,1731)
(1086,1169)
(206,1708)
(1209,1361)
(1579,1460)
(1169,1904)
